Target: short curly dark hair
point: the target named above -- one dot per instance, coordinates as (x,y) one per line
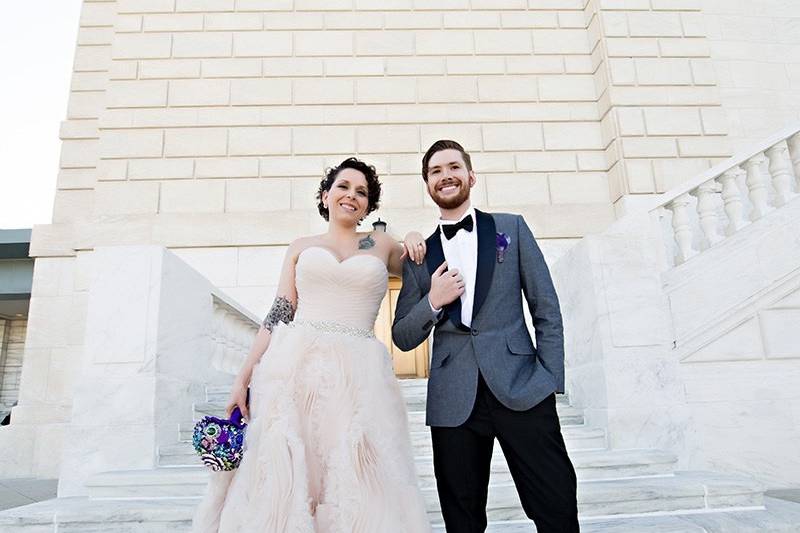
(373,184)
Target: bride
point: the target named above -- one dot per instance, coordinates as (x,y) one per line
(327,448)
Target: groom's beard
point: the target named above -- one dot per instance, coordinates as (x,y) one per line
(452,202)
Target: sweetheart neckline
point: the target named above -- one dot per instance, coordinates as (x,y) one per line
(346,259)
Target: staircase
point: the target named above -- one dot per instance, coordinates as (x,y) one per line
(619,490)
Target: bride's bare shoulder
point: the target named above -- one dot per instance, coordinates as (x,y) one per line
(301,243)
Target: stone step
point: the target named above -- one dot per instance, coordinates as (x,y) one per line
(590,465)
(182,469)
(575,437)
(684,491)
(415,392)
(568,415)
(83,515)
(173,515)
(777,516)
(163,482)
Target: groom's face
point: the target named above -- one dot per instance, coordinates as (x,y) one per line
(449,180)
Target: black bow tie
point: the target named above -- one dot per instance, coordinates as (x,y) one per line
(450,230)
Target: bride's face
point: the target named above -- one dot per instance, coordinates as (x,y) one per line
(347,199)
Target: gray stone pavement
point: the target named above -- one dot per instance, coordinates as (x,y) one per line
(791,495)
(16,492)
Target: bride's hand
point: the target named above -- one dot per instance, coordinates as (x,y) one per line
(414,247)
(238,398)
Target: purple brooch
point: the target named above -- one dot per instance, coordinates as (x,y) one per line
(502,241)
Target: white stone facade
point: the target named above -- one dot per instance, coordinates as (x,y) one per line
(204,127)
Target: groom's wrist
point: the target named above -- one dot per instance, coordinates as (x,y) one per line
(436,310)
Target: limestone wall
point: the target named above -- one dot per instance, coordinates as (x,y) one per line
(186,119)
(755,48)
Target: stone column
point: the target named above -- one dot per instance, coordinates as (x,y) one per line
(618,338)
(146,358)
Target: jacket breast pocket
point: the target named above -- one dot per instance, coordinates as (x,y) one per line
(520,344)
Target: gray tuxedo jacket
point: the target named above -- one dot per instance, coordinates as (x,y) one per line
(498,344)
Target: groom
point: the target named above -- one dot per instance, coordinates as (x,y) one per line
(487,380)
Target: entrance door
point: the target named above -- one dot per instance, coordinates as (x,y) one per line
(411,364)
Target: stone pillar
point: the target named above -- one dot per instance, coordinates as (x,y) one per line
(57,309)
(147,355)
(617,334)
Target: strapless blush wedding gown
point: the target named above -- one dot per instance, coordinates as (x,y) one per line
(328,448)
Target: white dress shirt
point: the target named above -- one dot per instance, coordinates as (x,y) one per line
(461,252)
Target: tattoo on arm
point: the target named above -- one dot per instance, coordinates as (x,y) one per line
(282,311)
(366,243)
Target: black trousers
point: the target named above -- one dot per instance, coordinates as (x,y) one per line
(537,459)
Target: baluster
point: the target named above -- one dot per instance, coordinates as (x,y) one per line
(217,337)
(781,174)
(731,195)
(794,153)
(757,186)
(707,212)
(681,227)
(244,339)
(230,344)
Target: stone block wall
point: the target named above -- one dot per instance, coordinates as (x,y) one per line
(755,49)
(660,106)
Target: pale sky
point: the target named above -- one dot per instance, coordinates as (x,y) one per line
(37,45)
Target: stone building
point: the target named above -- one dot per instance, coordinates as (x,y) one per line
(652,145)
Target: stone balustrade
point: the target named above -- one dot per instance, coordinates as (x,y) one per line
(731,195)
(232,333)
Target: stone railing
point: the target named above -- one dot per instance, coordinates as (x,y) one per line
(731,195)
(232,332)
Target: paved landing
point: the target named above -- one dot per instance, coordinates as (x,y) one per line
(16,492)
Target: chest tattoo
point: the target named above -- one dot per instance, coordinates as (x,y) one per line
(366,243)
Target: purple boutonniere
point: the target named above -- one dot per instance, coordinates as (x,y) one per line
(502,241)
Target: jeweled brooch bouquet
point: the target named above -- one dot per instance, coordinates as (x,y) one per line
(220,442)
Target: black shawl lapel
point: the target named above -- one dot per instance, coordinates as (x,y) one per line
(487,254)
(434,258)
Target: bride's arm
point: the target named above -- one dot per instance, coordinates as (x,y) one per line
(413,247)
(282,310)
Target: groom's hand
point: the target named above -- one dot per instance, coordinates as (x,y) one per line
(446,286)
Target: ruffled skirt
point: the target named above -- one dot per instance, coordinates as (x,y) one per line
(327,449)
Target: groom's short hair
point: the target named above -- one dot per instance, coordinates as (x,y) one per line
(438,146)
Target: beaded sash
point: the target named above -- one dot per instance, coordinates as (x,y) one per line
(333,327)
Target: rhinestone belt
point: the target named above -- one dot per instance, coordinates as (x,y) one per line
(334,327)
